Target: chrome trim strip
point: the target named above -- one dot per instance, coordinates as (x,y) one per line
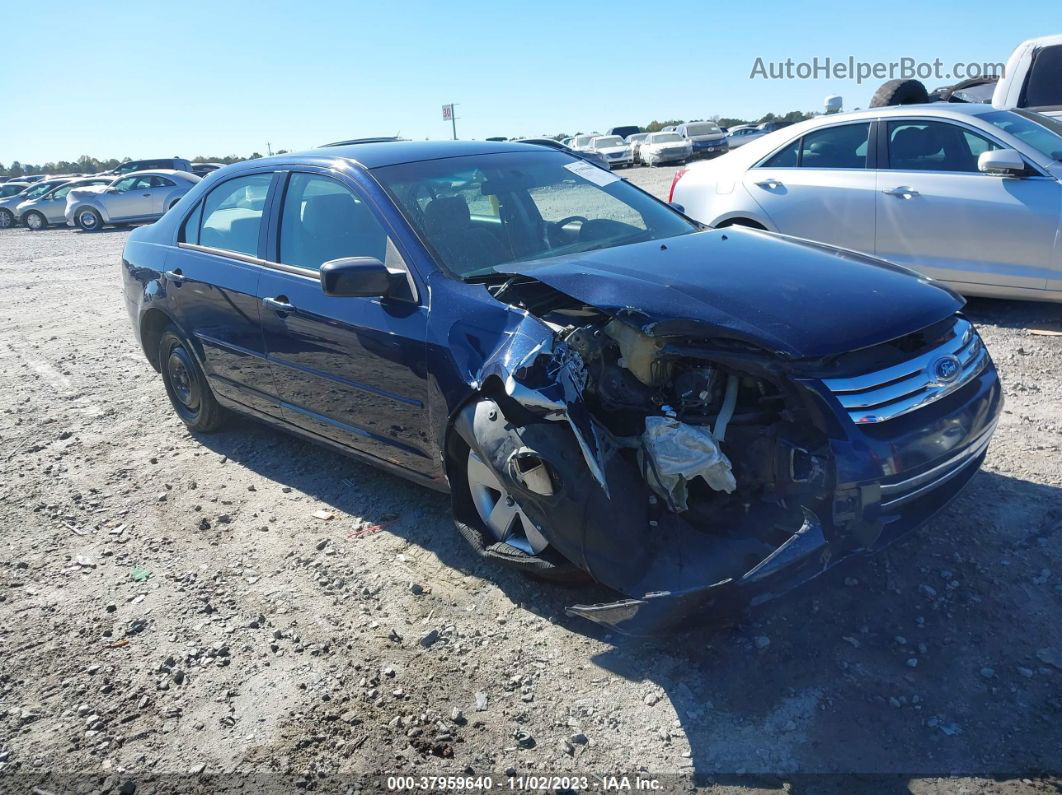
(264,263)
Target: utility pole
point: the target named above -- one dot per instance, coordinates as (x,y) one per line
(269,148)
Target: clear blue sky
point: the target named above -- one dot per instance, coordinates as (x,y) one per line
(144,79)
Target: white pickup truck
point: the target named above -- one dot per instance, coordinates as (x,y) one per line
(1032,80)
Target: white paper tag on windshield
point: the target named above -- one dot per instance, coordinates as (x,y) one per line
(591,172)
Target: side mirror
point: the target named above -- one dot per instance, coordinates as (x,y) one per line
(677,206)
(112,190)
(353,277)
(1004,162)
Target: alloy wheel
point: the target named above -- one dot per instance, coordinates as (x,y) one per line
(499,512)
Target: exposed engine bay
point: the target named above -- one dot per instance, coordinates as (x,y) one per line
(706,458)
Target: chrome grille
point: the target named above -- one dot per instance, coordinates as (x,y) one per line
(886,394)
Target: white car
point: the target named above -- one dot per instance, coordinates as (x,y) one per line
(140,197)
(965,193)
(581,143)
(634,141)
(744,134)
(614,149)
(664,147)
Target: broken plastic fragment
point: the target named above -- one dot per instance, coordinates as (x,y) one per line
(675,453)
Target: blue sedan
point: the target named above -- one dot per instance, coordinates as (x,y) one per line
(697,419)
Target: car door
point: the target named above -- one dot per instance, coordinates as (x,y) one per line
(124,199)
(211,283)
(820,186)
(349,369)
(939,215)
(158,189)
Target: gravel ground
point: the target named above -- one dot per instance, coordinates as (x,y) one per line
(181,606)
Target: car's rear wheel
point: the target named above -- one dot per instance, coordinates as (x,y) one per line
(89,220)
(7,219)
(35,221)
(186,385)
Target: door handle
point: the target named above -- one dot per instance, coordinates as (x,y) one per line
(174,276)
(769,184)
(902,192)
(146,195)
(278,304)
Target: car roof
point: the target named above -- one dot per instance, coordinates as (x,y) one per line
(392,153)
(161,172)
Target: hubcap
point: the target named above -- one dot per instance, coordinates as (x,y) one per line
(499,511)
(34,221)
(184,386)
(88,220)
(5,219)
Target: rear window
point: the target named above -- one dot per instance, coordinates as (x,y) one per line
(664,138)
(705,128)
(1043,86)
(232,214)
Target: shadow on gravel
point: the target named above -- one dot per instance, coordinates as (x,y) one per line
(925,660)
(1014,314)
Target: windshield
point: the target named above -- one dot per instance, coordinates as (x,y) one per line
(611,140)
(479,213)
(701,129)
(665,138)
(636,137)
(39,189)
(11,190)
(1042,133)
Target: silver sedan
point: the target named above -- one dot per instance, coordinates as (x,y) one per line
(49,208)
(140,197)
(970,195)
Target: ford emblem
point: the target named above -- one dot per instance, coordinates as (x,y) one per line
(945,369)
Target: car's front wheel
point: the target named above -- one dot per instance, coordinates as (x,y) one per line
(7,219)
(186,385)
(89,220)
(490,518)
(35,221)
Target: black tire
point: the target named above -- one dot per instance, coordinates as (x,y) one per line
(34,221)
(7,218)
(88,220)
(186,385)
(899,92)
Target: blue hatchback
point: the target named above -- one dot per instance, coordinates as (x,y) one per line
(695,418)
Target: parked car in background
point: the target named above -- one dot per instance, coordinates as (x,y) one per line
(202,169)
(743,134)
(614,149)
(624,131)
(705,136)
(665,147)
(9,206)
(581,143)
(590,156)
(134,198)
(965,193)
(168,163)
(634,141)
(49,207)
(481,318)
(773,126)
(11,188)
(33,177)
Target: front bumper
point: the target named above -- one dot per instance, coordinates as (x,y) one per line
(890,478)
(710,148)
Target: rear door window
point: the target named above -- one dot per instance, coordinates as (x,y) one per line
(232,214)
(844,146)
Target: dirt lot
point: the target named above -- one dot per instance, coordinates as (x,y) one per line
(172,606)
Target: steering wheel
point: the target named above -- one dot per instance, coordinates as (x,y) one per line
(563,222)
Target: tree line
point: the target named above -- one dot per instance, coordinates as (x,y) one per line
(93,165)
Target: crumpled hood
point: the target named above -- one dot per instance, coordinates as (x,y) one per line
(798,298)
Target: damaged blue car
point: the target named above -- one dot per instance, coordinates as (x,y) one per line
(697,419)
